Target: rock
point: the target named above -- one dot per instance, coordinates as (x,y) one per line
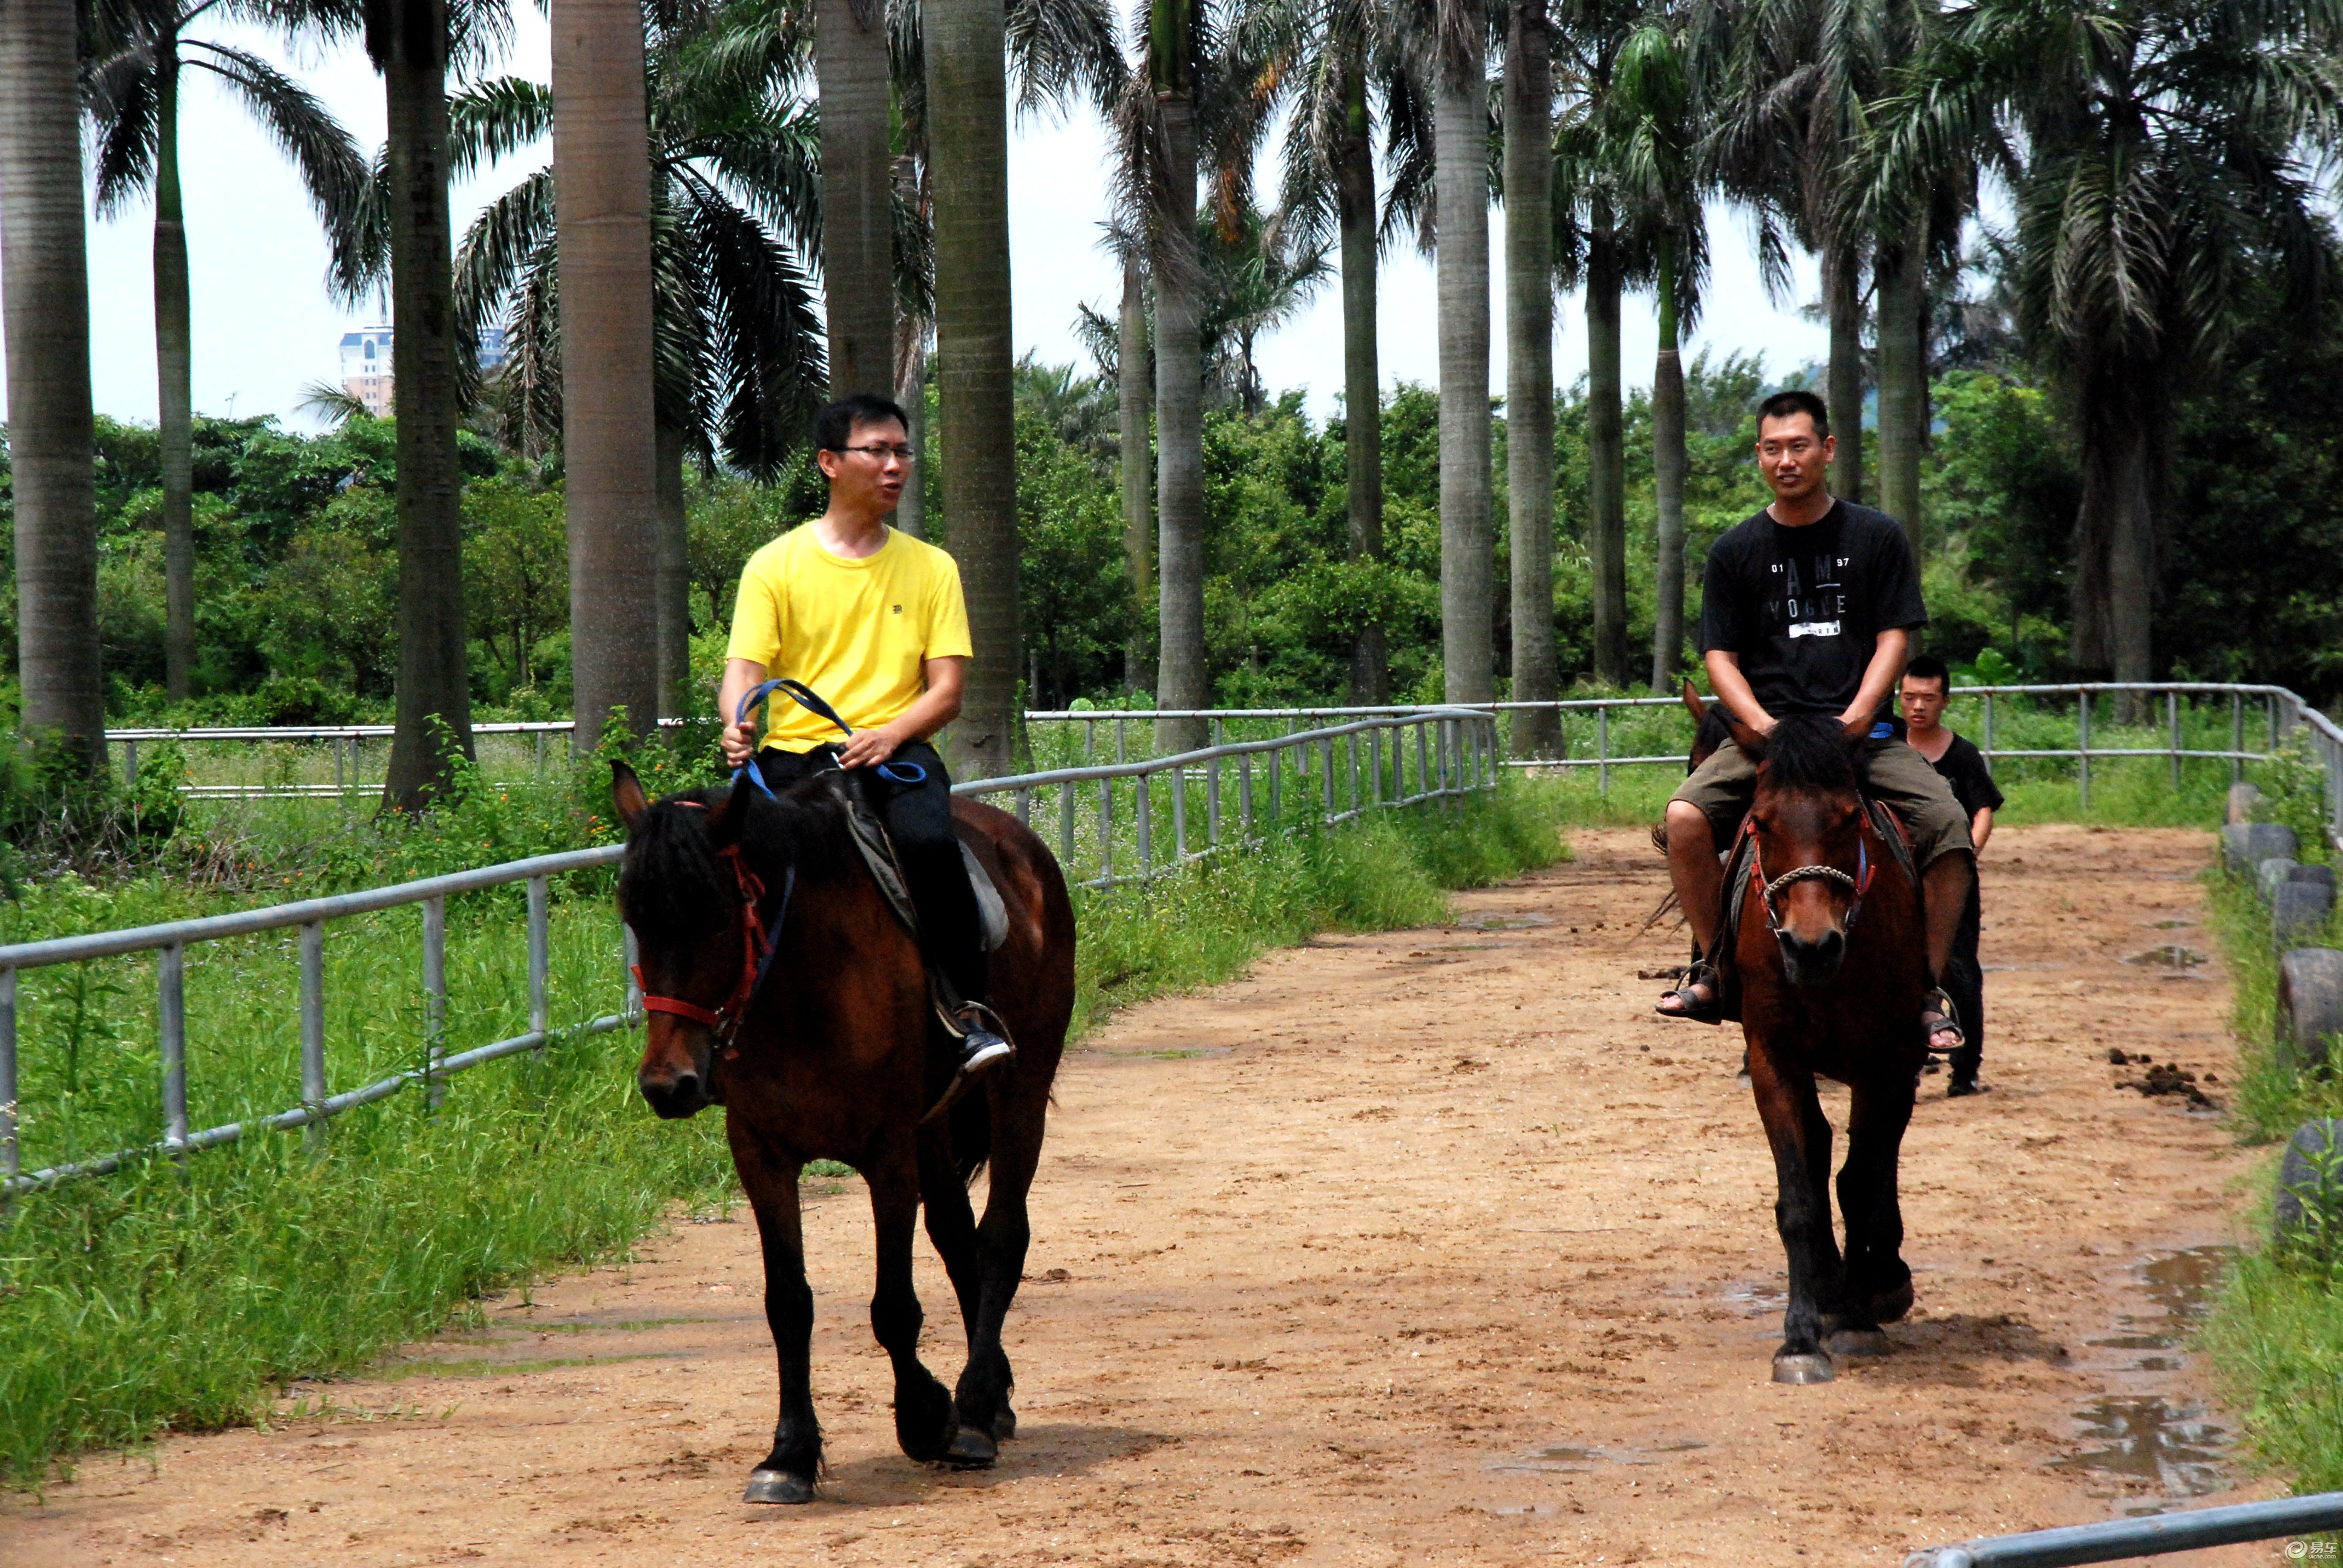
(2271,874)
(2311,1187)
(2243,799)
(2299,911)
(2245,845)
(2310,1005)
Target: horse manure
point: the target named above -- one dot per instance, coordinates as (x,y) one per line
(2165,1079)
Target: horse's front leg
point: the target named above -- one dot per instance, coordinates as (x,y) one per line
(951,1226)
(1801,1139)
(769,1176)
(1878,1282)
(1002,1238)
(924,1421)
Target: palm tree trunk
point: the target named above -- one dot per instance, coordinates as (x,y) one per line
(1362,411)
(967,105)
(44,287)
(1668,467)
(857,194)
(1467,562)
(434,702)
(609,440)
(1529,369)
(1180,677)
(672,573)
(2124,420)
(1606,453)
(174,383)
(911,392)
(1132,373)
(1901,273)
(1843,388)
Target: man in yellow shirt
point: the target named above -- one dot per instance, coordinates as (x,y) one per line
(874,621)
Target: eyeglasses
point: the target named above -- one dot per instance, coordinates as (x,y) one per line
(882,453)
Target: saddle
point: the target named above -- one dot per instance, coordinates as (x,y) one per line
(878,852)
(1742,859)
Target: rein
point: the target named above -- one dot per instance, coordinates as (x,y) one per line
(758,950)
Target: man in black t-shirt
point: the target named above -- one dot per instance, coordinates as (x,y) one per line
(1963,768)
(1807,607)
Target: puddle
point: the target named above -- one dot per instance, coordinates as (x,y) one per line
(2172,956)
(2142,1431)
(2152,1439)
(632,1326)
(1515,923)
(1166,1053)
(2172,925)
(1756,1300)
(1564,1458)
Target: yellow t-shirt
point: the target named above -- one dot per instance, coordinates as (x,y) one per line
(856,632)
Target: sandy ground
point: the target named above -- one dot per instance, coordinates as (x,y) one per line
(1425,1246)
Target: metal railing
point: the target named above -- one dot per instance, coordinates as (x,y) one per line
(1454,754)
(2154,1535)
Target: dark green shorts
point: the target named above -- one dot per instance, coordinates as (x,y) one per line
(1892,772)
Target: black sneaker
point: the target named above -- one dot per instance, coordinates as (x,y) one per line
(980,1049)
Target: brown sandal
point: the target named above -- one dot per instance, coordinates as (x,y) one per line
(1700,1009)
(1937,1016)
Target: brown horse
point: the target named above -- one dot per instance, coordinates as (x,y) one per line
(1832,967)
(833,1054)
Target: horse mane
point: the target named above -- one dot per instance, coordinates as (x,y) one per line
(1809,753)
(673,887)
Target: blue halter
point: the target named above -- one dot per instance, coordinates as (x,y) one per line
(807,698)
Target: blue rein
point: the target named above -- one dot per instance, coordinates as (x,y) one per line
(807,698)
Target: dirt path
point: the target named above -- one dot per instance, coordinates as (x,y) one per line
(1431,1246)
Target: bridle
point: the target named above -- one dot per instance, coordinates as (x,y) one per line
(757,947)
(1767,890)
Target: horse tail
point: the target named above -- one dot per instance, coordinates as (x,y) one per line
(971,1134)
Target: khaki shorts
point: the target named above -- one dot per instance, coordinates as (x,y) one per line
(1892,772)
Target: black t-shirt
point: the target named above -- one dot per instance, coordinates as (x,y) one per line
(1803,607)
(1963,767)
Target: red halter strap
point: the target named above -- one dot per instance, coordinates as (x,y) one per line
(756,956)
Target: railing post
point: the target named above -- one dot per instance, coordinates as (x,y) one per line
(1179,777)
(540,756)
(10,1163)
(1244,797)
(1988,731)
(1146,863)
(537,957)
(171,1024)
(1066,826)
(2172,706)
(341,782)
(2083,745)
(313,1032)
(1602,749)
(1423,772)
(1106,832)
(435,997)
(1118,739)
(1213,799)
(628,956)
(1277,785)
(1352,741)
(1326,775)
(2236,737)
(1025,808)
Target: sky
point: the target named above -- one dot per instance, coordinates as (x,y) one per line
(264,326)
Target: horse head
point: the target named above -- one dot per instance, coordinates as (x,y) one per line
(690,917)
(1712,725)
(1812,865)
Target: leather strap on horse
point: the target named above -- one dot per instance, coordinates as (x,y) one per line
(758,950)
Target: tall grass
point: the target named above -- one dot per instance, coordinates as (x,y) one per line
(2276,1333)
(167,1298)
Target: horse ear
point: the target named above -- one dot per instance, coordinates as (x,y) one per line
(627,794)
(1694,702)
(1751,743)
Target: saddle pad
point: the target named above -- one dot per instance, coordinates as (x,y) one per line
(992,914)
(870,841)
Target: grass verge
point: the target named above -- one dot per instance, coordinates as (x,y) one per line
(166,1298)
(2276,1333)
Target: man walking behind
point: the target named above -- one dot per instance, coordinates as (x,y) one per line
(1808,608)
(1962,766)
(874,622)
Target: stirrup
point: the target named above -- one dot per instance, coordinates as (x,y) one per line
(1937,1002)
(1699,972)
(984,1045)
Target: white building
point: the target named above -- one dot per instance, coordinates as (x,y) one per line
(366,364)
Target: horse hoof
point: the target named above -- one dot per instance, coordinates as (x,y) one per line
(1803,1370)
(1892,1305)
(1857,1342)
(777,1486)
(970,1450)
(1004,1423)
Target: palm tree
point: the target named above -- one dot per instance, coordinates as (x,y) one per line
(1461,153)
(2159,159)
(1529,367)
(1134,367)
(1339,60)
(857,192)
(1258,274)
(138,50)
(609,428)
(412,46)
(1594,159)
(50,423)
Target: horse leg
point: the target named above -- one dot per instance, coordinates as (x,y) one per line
(923,1407)
(1002,1238)
(787,1473)
(1800,1138)
(1878,1281)
(951,1227)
